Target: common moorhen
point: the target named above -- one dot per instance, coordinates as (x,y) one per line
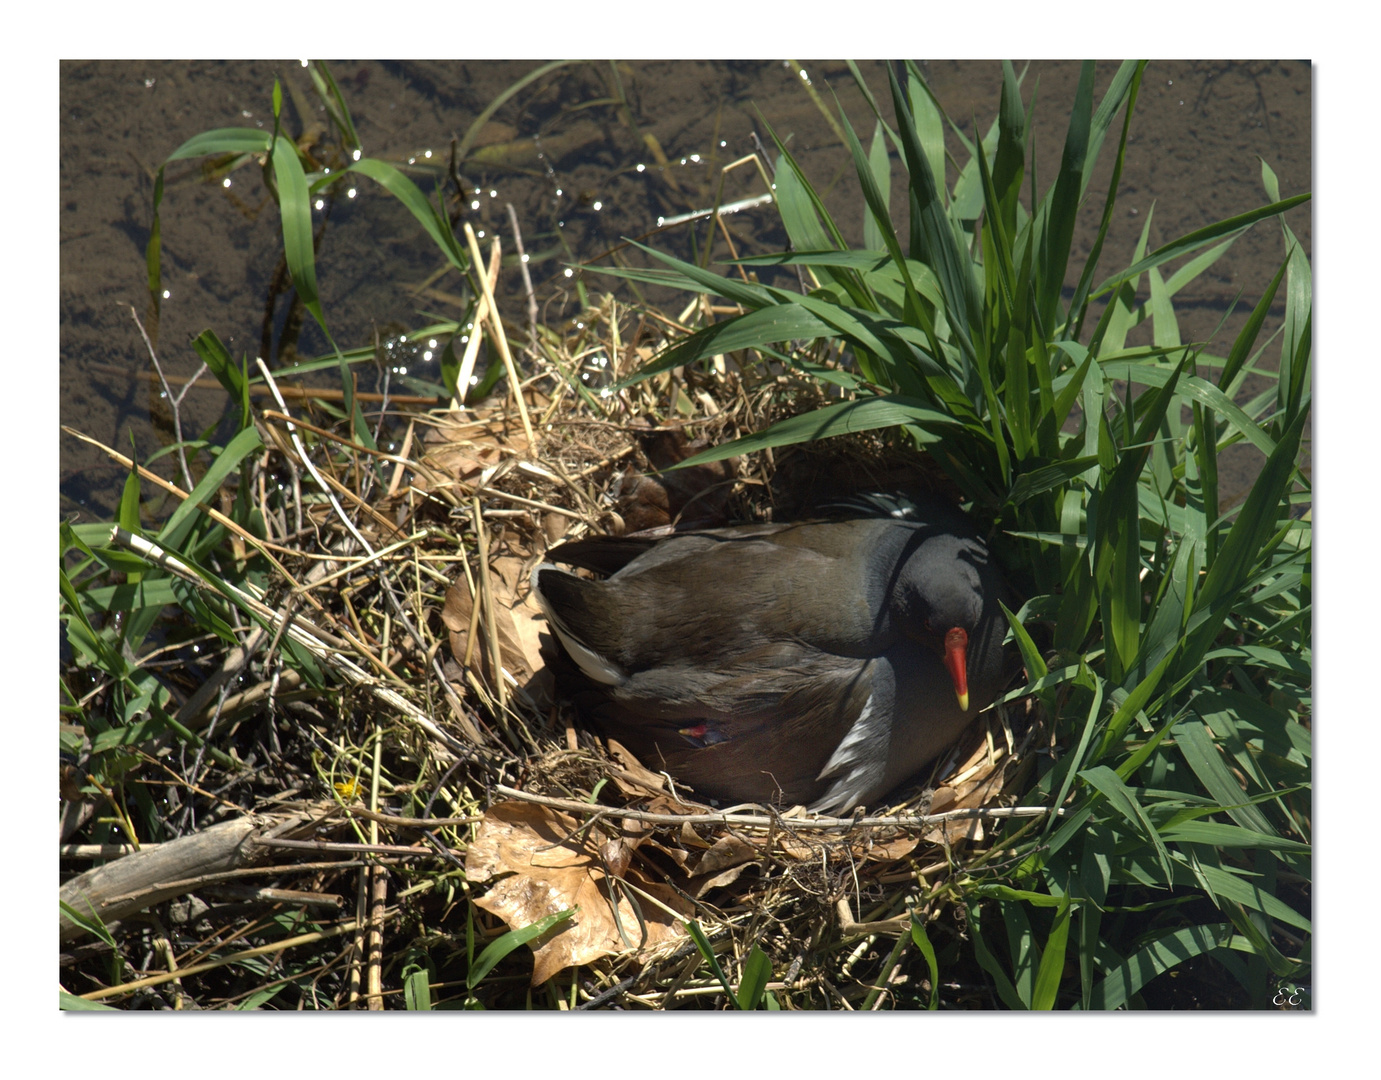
(820,662)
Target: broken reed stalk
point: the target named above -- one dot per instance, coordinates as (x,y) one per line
(527,278)
(472,347)
(500,339)
(378,880)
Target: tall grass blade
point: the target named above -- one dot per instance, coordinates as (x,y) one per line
(1052,965)
(757,970)
(1119,796)
(334,101)
(927,950)
(881,168)
(1166,952)
(501,946)
(1192,241)
(1078,305)
(421,208)
(868,414)
(1063,203)
(477,125)
(939,248)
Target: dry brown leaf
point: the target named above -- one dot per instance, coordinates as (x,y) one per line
(862,848)
(981,784)
(546,868)
(728,851)
(791,848)
(463,444)
(701,886)
(514,622)
(723,863)
(887,850)
(634,778)
(679,856)
(943,799)
(691,838)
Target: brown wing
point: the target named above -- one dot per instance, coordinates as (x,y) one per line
(714,730)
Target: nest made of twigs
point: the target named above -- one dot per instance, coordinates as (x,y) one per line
(459,798)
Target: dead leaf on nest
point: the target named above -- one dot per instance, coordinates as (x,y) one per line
(458,458)
(723,864)
(726,852)
(529,622)
(463,444)
(863,848)
(546,868)
(635,779)
(515,622)
(889,850)
(976,783)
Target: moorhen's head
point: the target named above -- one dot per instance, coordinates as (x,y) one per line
(940,601)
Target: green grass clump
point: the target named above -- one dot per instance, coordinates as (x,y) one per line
(1180,673)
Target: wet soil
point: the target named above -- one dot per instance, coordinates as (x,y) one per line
(567,158)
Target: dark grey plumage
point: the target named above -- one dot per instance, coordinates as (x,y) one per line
(790,663)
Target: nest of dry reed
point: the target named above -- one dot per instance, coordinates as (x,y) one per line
(375,839)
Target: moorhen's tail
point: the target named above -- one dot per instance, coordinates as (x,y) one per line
(569,601)
(605,555)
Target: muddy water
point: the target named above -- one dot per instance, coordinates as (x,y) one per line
(566,153)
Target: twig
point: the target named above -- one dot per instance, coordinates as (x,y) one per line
(765,821)
(353,849)
(403,464)
(375,941)
(304,393)
(408,822)
(727,208)
(175,402)
(359,564)
(548,507)
(307,461)
(267,895)
(211,965)
(334,658)
(527,278)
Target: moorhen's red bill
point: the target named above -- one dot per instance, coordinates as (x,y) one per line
(820,662)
